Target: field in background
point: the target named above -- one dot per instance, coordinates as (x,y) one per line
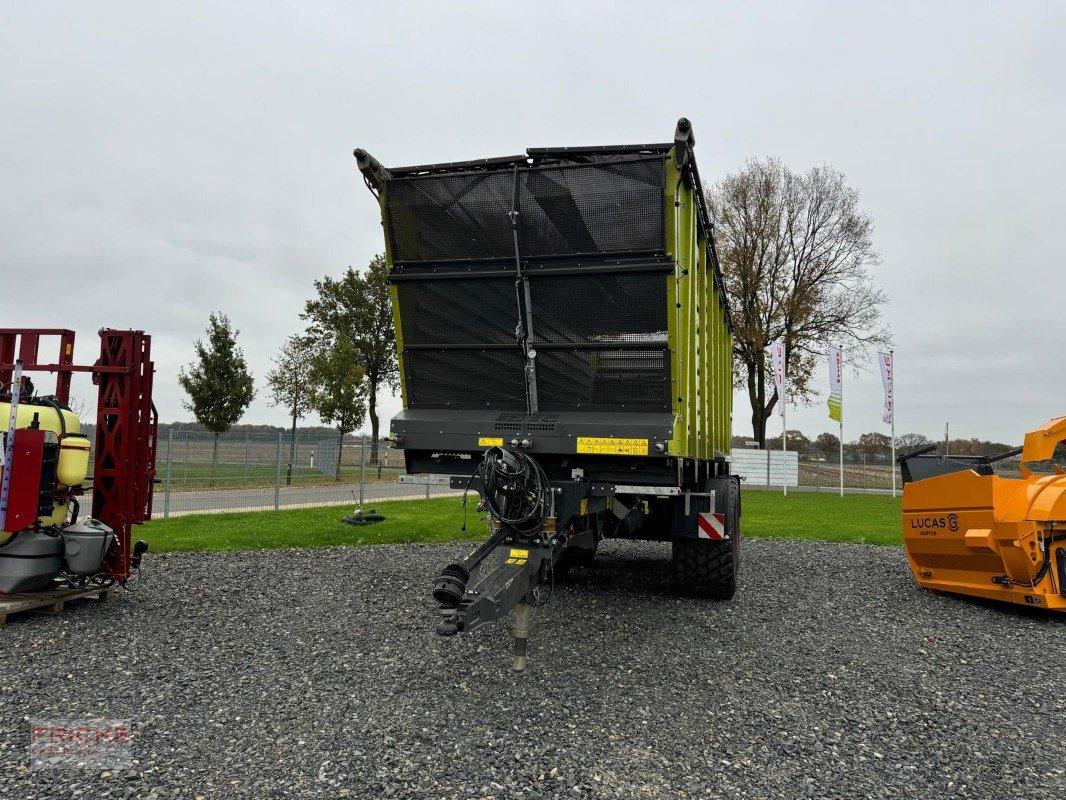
(252,472)
(868,519)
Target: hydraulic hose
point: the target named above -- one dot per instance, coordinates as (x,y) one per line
(517,490)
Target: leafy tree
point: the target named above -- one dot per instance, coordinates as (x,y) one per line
(218,384)
(358,307)
(290,386)
(873,443)
(828,444)
(339,391)
(795,441)
(796,252)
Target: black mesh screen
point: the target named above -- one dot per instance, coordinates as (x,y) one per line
(520,423)
(601,208)
(445,217)
(629,307)
(630,379)
(610,207)
(458,311)
(482,378)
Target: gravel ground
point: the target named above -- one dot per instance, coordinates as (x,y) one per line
(317,673)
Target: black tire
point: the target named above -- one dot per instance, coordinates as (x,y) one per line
(705,568)
(708,568)
(732,515)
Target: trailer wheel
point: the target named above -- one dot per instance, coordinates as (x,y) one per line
(709,568)
(706,569)
(732,515)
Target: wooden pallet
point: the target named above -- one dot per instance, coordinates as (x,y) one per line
(50,602)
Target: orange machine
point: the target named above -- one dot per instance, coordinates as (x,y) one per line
(970,531)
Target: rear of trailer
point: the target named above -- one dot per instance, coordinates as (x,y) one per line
(561,315)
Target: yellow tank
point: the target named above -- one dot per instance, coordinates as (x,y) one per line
(48,418)
(73,459)
(74,447)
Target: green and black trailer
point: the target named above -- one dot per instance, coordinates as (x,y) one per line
(564,346)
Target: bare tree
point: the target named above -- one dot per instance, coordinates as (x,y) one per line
(82,408)
(911,441)
(796,251)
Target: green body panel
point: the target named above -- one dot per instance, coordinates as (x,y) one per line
(395,296)
(701,371)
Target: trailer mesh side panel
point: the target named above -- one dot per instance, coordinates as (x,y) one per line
(584,209)
(603,379)
(571,309)
(448,217)
(602,208)
(458,311)
(601,338)
(481,378)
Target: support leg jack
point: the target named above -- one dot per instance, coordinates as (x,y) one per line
(522,614)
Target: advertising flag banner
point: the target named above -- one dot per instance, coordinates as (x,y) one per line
(836,383)
(885,360)
(777,351)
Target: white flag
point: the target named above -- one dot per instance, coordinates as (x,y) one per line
(777,351)
(885,360)
(836,383)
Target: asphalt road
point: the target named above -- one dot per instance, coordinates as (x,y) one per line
(208,500)
(317,673)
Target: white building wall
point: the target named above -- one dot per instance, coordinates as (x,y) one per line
(752,464)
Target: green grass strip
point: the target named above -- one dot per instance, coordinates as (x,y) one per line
(865,519)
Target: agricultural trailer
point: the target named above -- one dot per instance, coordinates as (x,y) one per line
(564,346)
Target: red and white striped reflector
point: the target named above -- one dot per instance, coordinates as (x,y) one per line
(711,526)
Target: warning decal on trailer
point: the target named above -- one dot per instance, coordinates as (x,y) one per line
(517,556)
(711,526)
(490,441)
(607,445)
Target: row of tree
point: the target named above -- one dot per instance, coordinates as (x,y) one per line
(875,443)
(335,367)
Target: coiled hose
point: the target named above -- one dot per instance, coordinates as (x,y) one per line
(517,490)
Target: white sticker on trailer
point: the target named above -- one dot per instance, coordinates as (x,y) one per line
(711,526)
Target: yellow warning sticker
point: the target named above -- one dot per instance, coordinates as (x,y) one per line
(516,553)
(605,445)
(489,441)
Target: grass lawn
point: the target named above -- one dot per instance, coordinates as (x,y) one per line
(857,518)
(866,519)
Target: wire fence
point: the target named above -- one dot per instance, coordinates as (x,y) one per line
(870,472)
(197,473)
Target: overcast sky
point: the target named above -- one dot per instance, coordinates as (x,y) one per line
(160,161)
